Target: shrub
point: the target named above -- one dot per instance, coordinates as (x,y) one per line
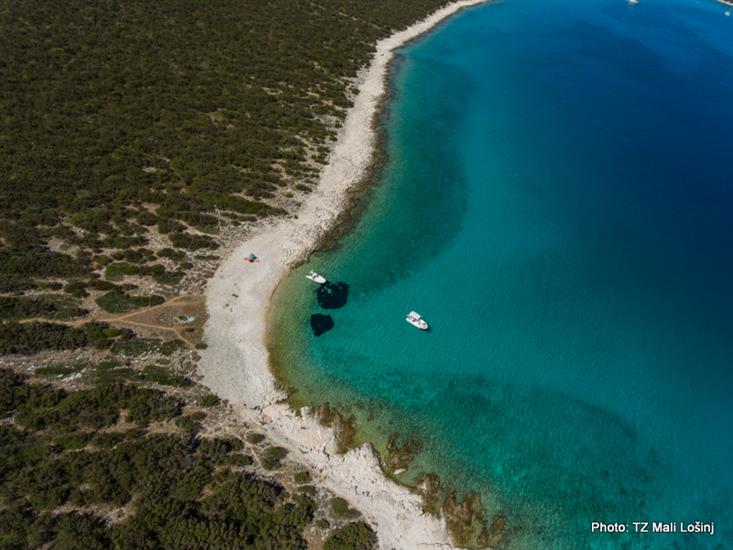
(170,347)
(168,277)
(146,406)
(55,460)
(57,370)
(29,338)
(352,536)
(302,477)
(255,438)
(161,375)
(210,400)
(272,456)
(118,270)
(339,506)
(117,301)
(239,460)
(52,306)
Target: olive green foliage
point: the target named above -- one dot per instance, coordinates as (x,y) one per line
(57,452)
(57,370)
(125,115)
(169,347)
(163,376)
(302,477)
(308,489)
(339,506)
(116,375)
(255,438)
(118,270)
(188,424)
(210,400)
(112,371)
(29,338)
(23,257)
(117,301)
(51,306)
(352,536)
(272,456)
(41,407)
(137,346)
(239,460)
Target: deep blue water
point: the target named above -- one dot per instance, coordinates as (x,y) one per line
(558,203)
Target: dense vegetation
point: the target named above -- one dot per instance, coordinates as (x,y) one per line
(30,338)
(131,126)
(352,536)
(117,301)
(50,306)
(130,132)
(74,475)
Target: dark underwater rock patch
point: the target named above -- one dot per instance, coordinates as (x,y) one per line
(332,295)
(321,323)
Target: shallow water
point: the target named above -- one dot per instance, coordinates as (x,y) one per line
(558,204)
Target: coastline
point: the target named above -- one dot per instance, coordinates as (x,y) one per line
(235,365)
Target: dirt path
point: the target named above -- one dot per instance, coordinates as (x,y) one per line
(177,301)
(150,318)
(177,332)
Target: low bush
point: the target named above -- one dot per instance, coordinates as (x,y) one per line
(339,506)
(272,456)
(255,438)
(302,477)
(352,536)
(118,301)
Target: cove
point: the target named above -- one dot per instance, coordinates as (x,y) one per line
(557,202)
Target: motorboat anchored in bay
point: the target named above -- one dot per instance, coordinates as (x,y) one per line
(315,277)
(416,320)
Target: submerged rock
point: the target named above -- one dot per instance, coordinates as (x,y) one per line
(321,323)
(430,489)
(399,456)
(332,295)
(466,521)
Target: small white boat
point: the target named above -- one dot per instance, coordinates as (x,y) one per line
(416,320)
(315,277)
(633,1)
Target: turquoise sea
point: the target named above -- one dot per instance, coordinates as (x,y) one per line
(557,202)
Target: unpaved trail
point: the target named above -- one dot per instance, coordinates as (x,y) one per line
(145,318)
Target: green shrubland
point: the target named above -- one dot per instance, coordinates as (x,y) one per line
(61,450)
(352,536)
(122,117)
